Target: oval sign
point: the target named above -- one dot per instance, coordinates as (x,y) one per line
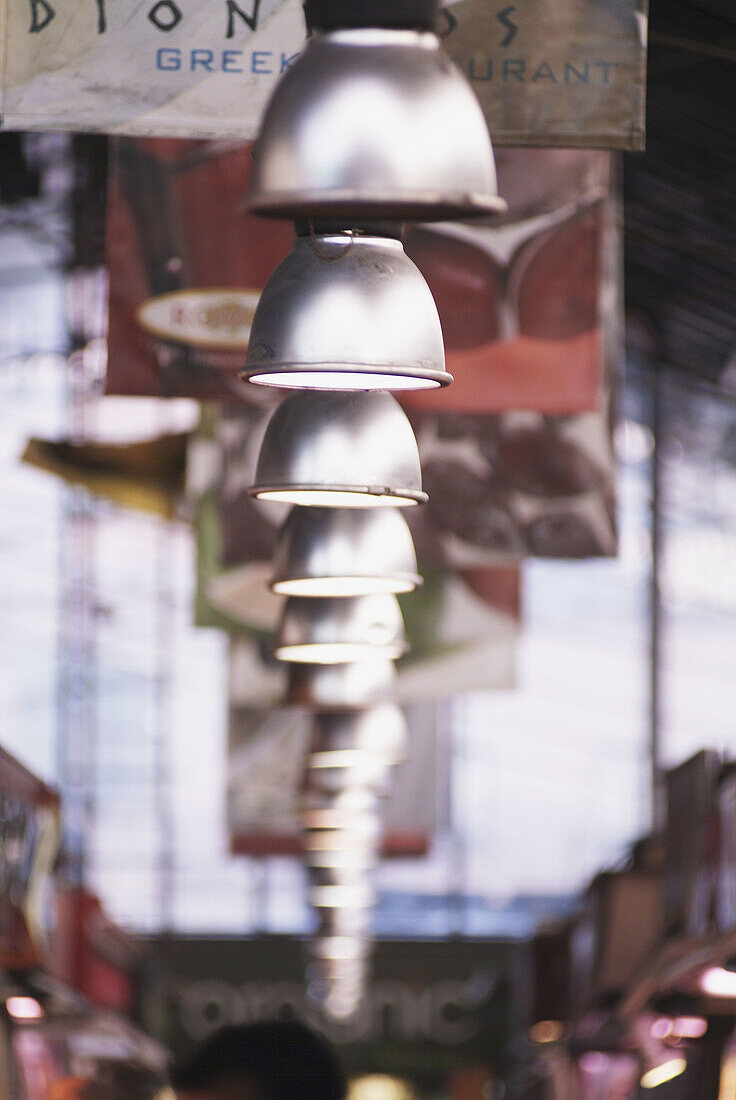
(217,318)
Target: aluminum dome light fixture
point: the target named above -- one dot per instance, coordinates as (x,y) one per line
(351,131)
(344,552)
(347,312)
(339,876)
(357,854)
(345,740)
(328,835)
(339,450)
(348,922)
(353,686)
(341,947)
(351,816)
(343,895)
(335,631)
(369,773)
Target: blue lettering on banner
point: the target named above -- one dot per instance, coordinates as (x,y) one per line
(259,63)
(229,61)
(287,60)
(508,71)
(544,73)
(168,61)
(581,74)
(202,59)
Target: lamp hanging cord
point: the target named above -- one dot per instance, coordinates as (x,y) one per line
(337,255)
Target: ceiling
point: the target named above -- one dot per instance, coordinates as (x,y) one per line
(679,195)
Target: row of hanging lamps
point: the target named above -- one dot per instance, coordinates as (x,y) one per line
(372,125)
(351,757)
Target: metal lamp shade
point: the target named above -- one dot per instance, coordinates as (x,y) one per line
(327,833)
(344,995)
(343,740)
(340,947)
(369,773)
(339,876)
(360,853)
(339,450)
(374,123)
(340,630)
(324,688)
(340,552)
(348,922)
(343,895)
(347,313)
(353,813)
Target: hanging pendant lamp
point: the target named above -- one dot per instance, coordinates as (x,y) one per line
(374,121)
(348,922)
(347,312)
(339,451)
(331,632)
(353,813)
(372,773)
(326,834)
(344,741)
(340,947)
(339,552)
(356,854)
(341,687)
(343,895)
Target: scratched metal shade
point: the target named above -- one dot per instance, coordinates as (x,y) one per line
(341,687)
(374,122)
(344,552)
(336,631)
(344,741)
(351,813)
(347,922)
(339,450)
(347,312)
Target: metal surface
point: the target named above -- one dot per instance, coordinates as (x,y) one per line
(325,834)
(341,687)
(347,312)
(340,876)
(344,922)
(339,450)
(374,123)
(362,854)
(372,773)
(354,814)
(339,552)
(379,732)
(340,630)
(340,947)
(350,895)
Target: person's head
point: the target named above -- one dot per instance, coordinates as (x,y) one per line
(276,1060)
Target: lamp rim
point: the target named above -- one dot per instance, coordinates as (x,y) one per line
(392,205)
(323,653)
(392,584)
(407,496)
(259,376)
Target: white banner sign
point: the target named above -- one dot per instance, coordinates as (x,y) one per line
(548,72)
